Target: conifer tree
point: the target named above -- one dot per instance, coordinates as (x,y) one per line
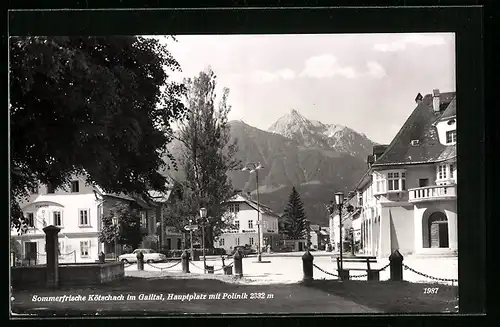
(295,217)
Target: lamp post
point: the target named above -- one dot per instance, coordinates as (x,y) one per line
(339,200)
(254,167)
(191,238)
(203,215)
(115,223)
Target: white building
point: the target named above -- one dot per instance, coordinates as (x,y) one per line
(77,210)
(242,213)
(409,191)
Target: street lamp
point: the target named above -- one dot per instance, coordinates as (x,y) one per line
(254,167)
(115,223)
(339,200)
(203,215)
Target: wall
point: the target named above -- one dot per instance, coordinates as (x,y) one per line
(414,173)
(69,275)
(398,230)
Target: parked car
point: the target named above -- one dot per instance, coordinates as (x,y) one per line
(246,250)
(149,256)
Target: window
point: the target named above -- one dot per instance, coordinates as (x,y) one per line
(84,248)
(250,240)
(144,220)
(57,218)
(442,172)
(50,189)
(237,224)
(237,241)
(423,182)
(75,187)
(83,215)
(30,219)
(250,224)
(393,181)
(452,171)
(396,181)
(234,208)
(221,242)
(451,136)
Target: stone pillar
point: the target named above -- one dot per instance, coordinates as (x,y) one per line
(51,249)
(238,264)
(185,261)
(102,257)
(140,261)
(307,266)
(396,266)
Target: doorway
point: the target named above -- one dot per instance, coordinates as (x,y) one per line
(438,231)
(301,246)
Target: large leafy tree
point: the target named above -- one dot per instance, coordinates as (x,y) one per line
(100,107)
(295,218)
(126,231)
(208,153)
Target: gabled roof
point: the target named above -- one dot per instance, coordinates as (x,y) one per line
(254,204)
(420,126)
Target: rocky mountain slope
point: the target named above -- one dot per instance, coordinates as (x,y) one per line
(318,159)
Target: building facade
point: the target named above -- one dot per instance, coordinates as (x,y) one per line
(242,213)
(408,194)
(77,209)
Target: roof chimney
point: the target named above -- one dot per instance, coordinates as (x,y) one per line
(436,103)
(419,98)
(249,195)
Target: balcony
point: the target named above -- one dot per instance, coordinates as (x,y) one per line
(433,193)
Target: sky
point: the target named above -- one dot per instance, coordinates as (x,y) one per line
(367,82)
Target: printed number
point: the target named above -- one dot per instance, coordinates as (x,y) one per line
(431,290)
(257,296)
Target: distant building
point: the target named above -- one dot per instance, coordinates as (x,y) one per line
(243,214)
(77,209)
(408,194)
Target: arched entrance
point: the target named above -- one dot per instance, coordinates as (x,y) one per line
(436,231)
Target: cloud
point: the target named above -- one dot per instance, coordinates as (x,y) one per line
(325,66)
(424,40)
(267,77)
(375,69)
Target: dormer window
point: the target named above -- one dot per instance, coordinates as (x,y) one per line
(451,122)
(415,142)
(451,136)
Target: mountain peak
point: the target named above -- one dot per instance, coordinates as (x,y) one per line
(313,133)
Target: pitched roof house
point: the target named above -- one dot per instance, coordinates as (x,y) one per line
(408,194)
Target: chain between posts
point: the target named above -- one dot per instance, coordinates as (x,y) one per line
(429,276)
(353,276)
(164,268)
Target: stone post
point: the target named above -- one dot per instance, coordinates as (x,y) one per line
(51,249)
(102,257)
(307,266)
(396,266)
(185,261)
(238,264)
(140,261)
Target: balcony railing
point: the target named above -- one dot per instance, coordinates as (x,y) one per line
(432,193)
